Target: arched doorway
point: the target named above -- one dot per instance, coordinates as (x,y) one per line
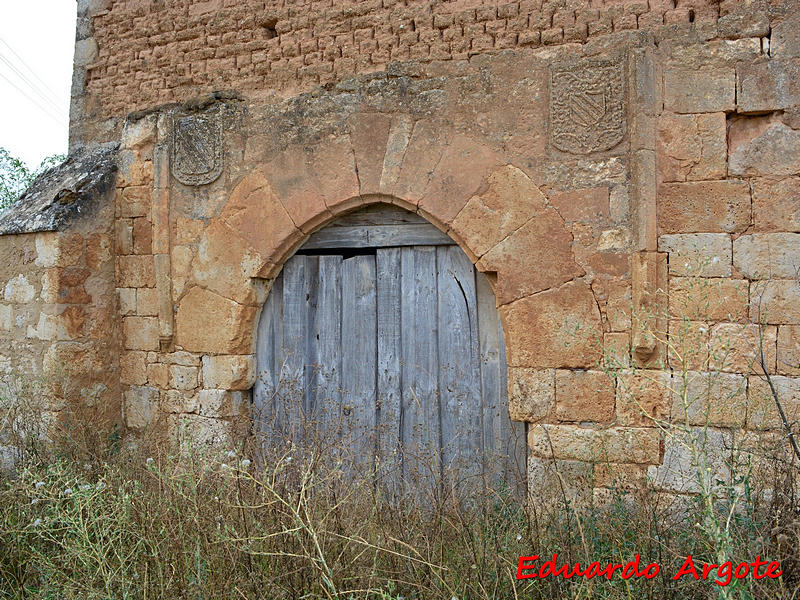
(381,341)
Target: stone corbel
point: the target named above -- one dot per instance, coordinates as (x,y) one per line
(649,281)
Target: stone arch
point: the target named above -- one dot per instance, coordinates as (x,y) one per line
(494,211)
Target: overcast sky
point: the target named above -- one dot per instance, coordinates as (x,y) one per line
(37,40)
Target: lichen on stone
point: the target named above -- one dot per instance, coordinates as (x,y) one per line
(64,193)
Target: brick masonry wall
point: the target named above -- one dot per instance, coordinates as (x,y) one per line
(135,54)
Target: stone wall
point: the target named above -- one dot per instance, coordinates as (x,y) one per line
(59,345)
(625,173)
(136,54)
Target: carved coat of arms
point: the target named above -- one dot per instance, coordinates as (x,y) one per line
(587,107)
(197,149)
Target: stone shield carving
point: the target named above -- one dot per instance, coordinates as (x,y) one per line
(197,149)
(587,107)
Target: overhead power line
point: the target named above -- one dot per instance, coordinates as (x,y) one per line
(31,71)
(32,87)
(59,120)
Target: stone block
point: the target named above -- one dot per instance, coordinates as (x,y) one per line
(71,288)
(679,471)
(19,290)
(187,359)
(140,405)
(423,153)
(98,250)
(762,146)
(179,401)
(550,481)
(147,301)
(224,263)
(289,189)
(531,393)
(767,255)
(698,254)
(132,368)
(65,357)
(709,399)
(446,195)
(692,147)
(6,317)
(47,249)
(70,249)
(704,207)
(776,204)
(183,378)
(86,52)
(46,328)
(181,259)
(620,476)
(617,349)
(650,308)
(229,372)
(134,201)
(762,412)
(590,206)
(708,299)
(555,328)
(643,197)
(618,308)
(208,323)
(767,85)
(615,444)
(50,286)
(369,133)
(200,433)
(140,333)
(510,200)
(142,236)
(789,350)
(785,36)
(124,236)
(139,133)
(535,257)
(688,344)
(332,170)
(254,212)
(584,396)
(219,403)
(775,301)
(136,271)
(187,231)
(700,90)
(158,375)
(750,20)
(735,348)
(643,398)
(127,301)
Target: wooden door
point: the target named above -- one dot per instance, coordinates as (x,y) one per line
(393,356)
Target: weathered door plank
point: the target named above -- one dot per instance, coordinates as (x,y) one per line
(326,345)
(268,369)
(421,433)
(377,236)
(389,290)
(459,375)
(297,280)
(359,355)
